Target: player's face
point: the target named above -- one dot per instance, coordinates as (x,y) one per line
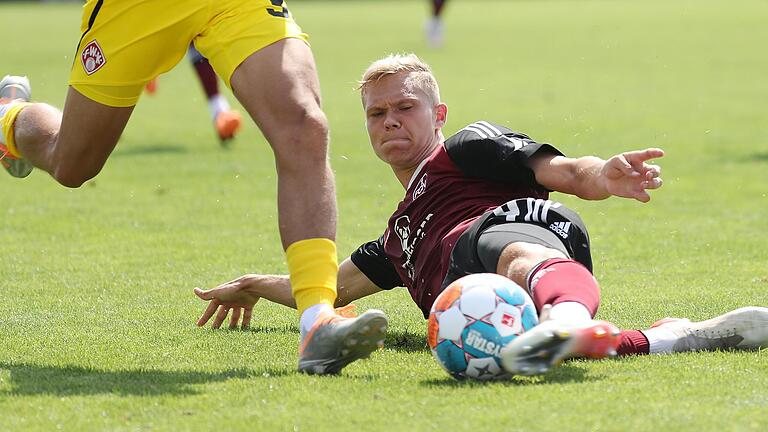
(403,121)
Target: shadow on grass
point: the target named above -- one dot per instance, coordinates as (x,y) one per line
(398,340)
(562,374)
(756,157)
(406,341)
(288,328)
(149,150)
(26,379)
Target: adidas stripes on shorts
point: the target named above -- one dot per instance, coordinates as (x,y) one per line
(528,220)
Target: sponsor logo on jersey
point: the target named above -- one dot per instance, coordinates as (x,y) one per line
(409,242)
(403,230)
(561,228)
(476,340)
(92,57)
(421,186)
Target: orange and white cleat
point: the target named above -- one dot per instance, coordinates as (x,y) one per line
(13,89)
(227,124)
(335,341)
(549,343)
(151,87)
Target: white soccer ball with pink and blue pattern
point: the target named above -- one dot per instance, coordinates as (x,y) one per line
(472,319)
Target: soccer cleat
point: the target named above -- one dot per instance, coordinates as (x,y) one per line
(227,124)
(151,87)
(14,88)
(335,341)
(537,350)
(745,328)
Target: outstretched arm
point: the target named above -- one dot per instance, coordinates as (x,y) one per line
(625,175)
(240,295)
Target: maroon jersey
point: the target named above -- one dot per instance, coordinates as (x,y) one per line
(478,169)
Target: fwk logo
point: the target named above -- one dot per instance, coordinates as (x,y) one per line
(92,57)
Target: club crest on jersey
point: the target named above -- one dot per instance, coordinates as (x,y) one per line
(421,186)
(92,57)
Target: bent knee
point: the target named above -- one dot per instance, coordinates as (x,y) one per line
(72,176)
(306,138)
(518,258)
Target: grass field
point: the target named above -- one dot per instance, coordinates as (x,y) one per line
(97,314)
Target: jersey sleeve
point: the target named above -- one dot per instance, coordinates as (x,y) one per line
(494,152)
(375,264)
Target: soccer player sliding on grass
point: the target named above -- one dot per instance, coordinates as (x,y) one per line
(477,202)
(263,55)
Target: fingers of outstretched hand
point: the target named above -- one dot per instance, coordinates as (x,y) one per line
(207,314)
(235,318)
(653,183)
(220,316)
(203,294)
(642,196)
(644,155)
(620,163)
(247,313)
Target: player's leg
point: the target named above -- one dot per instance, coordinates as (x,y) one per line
(533,256)
(263,56)
(743,328)
(226,121)
(434,28)
(123,45)
(72,146)
(278,87)
(570,295)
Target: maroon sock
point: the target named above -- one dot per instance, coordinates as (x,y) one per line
(208,77)
(633,342)
(563,280)
(437,7)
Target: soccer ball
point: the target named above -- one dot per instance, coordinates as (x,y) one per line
(472,319)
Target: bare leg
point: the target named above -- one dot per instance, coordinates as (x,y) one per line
(72,147)
(518,259)
(278,86)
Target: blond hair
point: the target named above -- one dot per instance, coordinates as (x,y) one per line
(419,74)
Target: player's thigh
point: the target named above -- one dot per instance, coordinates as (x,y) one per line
(125,44)
(278,86)
(518,246)
(89,132)
(239,28)
(263,56)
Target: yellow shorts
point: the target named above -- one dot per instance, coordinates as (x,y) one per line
(127,43)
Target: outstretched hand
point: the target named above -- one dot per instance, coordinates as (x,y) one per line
(628,175)
(237,296)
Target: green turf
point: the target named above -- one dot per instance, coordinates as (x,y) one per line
(97,314)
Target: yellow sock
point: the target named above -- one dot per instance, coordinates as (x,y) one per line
(7,126)
(313,267)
